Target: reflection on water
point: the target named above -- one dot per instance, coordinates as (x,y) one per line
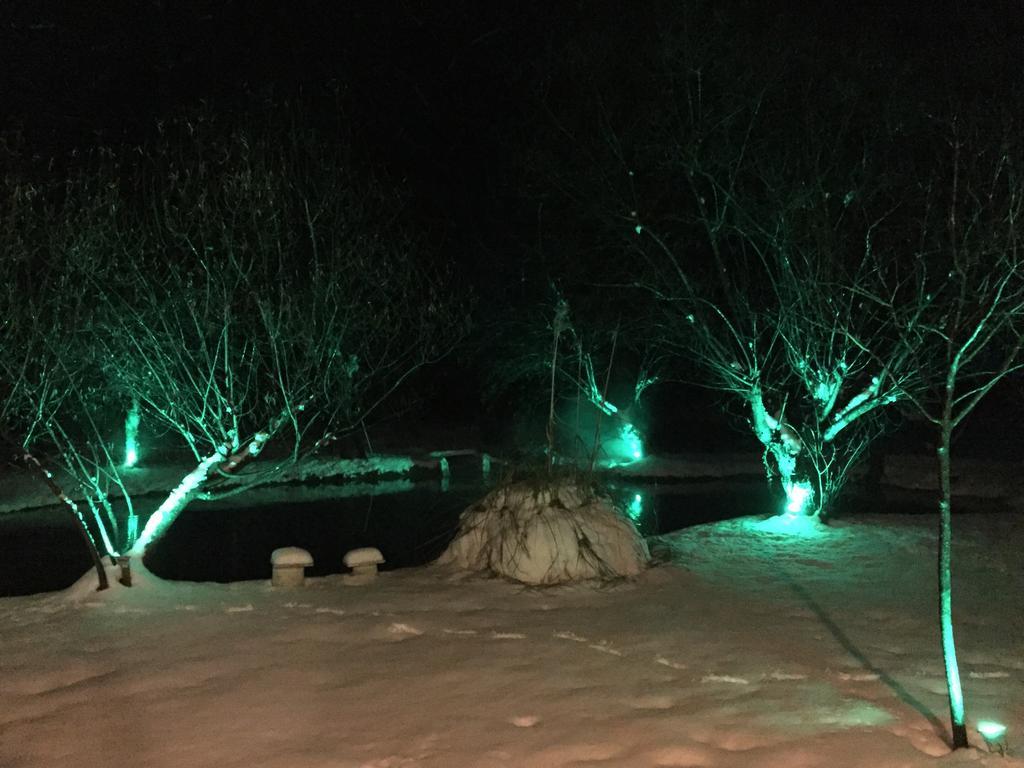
(410,522)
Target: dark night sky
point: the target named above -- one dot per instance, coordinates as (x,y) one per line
(437,87)
(447,96)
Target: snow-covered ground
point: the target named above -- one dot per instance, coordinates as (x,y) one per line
(741,647)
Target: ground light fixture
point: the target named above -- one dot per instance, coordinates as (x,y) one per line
(994,735)
(634,445)
(798,496)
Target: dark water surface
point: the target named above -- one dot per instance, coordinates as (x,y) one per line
(232,540)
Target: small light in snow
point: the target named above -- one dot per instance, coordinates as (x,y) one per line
(798,495)
(994,735)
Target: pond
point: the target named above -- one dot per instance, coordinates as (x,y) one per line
(411,523)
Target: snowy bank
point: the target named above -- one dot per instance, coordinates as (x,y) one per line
(744,648)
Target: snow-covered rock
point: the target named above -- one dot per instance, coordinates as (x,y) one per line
(547,534)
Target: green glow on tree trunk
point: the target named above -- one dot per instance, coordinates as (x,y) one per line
(798,496)
(131,435)
(485,466)
(175,502)
(636,507)
(634,445)
(133,530)
(446,473)
(956,694)
(826,391)
(78,513)
(107,543)
(605,407)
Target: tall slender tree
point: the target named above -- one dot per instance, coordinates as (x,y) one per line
(958,301)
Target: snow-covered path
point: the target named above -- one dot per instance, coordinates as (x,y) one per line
(743,648)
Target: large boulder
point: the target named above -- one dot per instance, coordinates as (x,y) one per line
(547,534)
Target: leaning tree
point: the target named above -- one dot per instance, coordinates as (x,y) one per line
(268,295)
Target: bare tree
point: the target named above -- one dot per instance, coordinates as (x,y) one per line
(47,375)
(592,373)
(760,291)
(263,294)
(958,302)
(245,286)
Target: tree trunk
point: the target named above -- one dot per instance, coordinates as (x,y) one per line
(131,434)
(192,484)
(956,698)
(175,504)
(76,515)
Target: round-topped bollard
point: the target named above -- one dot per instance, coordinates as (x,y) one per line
(363,562)
(289,566)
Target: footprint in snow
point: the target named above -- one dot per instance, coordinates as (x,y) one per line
(668,663)
(730,679)
(605,648)
(858,677)
(785,676)
(601,645)
(398,628)
(525,721)
(571,636)
(653,701)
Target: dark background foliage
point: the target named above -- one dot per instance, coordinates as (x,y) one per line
(510,129)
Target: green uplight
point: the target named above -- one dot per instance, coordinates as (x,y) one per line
(991,730)
(446,473)
(634,444)
(798,496)
(636,507)
(131,435)
(994,735)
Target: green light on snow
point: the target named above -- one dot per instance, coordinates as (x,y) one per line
(796,526)
(634,445)
(798,496)
(636,507)
(991,730)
